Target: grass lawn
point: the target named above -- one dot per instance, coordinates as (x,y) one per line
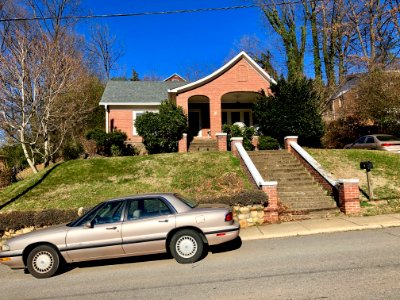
(385,175)
(84,183)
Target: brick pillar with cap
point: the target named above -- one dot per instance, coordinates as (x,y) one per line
(289,139)
(182,144)
(349,196)
(234,141)
(222,141)
(271,211)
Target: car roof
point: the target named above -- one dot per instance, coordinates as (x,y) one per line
(144,195)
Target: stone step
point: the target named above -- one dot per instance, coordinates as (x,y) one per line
(285,174)
(291,181)
(297,189)
(198,145)
(309,206)
(300,188)
(305,193)
(308,214)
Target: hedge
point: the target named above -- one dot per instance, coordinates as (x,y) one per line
(16,220)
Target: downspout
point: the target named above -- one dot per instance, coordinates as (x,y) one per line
(107,123)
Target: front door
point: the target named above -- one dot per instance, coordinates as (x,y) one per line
(102,239)
(194,123)
(148,222)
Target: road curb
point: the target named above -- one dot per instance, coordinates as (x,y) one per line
(309,227)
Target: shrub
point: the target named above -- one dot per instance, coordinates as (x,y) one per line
(292,110)
(245,132)
(268,143)
(345,131)
(162,131)
(115,151)
(14,157)
(105,141)
(72,151)
(7,176)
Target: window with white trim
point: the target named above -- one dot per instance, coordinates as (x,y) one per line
(231,116)
(137,113)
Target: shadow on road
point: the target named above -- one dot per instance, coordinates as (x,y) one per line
(226,247)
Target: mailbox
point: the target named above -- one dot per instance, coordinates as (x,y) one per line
(366,165)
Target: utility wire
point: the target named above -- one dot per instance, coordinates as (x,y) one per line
(182,11)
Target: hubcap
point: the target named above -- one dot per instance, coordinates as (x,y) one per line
(43,262)
(186,246)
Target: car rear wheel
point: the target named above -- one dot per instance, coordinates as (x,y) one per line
(186,246)
(43,262)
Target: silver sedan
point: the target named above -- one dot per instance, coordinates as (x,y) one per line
(129,226)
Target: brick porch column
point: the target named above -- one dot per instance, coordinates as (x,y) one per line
(271,211)
(182,144)
(254,141)
(289,139)
(349,196)
(222,141)
(235,140)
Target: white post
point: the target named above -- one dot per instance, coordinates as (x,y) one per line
(107,126)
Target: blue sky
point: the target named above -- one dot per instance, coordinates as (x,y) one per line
(165,44)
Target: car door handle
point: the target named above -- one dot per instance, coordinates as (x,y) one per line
(163,221)
(111,228)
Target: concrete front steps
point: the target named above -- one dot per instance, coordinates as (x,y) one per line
(300,195)
(203,144)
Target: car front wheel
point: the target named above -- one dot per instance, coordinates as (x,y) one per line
(43,262)
(186,246)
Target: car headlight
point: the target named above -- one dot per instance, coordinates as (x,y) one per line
(5,247)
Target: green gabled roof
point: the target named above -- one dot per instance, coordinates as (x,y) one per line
(137,92)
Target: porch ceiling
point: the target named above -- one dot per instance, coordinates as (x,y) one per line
(240,97)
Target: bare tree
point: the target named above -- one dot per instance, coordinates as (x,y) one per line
(290,24)
(37,77)
(104,48)
(18,92)
(379,100)
(376,32)
(56,9)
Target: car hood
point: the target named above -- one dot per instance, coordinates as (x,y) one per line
(49,234)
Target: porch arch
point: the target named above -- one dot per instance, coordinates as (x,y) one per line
(199,116)
(237,107)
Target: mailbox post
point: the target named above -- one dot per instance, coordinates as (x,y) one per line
(368,166)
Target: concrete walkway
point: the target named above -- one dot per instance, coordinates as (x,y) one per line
(306,227)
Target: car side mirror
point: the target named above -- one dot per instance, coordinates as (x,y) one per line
(89,224)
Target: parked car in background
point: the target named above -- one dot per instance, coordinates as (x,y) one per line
(384,142)
(129,226)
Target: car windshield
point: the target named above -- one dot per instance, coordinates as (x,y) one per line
(78,221)
(385,138)
(190,203)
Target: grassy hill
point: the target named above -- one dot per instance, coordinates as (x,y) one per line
(79,183)
(385,174)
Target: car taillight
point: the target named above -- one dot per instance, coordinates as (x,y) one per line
(228,217)
(386,144)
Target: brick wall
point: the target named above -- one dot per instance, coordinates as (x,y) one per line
(121,118)
(242,77)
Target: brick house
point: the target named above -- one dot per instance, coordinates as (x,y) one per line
(223,97)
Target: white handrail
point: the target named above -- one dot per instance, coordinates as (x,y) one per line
(313,163)
(252,168)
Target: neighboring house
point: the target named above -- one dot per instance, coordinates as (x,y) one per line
(223,97)
(342,103)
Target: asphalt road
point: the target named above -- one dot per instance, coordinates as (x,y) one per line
(349,265)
